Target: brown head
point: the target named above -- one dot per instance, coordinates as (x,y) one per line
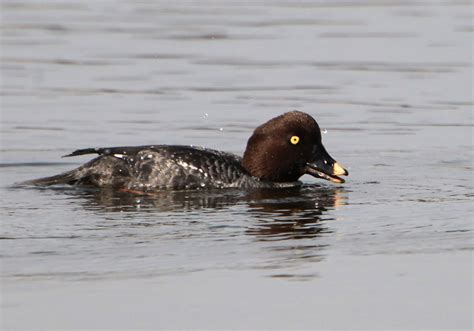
(287,147)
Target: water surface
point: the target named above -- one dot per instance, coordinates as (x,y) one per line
(390,82)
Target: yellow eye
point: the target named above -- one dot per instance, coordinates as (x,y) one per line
(294,140)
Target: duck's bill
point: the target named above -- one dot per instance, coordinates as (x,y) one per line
(326,168)
(315,172)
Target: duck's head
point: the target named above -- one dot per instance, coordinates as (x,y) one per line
(287,147)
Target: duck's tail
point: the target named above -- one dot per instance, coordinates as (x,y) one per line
(69,177)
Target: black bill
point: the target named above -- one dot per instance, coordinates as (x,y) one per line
(325,167)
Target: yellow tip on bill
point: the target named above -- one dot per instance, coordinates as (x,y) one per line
(338,170)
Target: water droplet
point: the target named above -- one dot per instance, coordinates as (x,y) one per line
(324,131)
(221,129)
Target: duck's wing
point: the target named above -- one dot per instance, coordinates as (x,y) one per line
(123,150)
(182,167)
(152,167)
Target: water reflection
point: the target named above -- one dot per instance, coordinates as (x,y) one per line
(273,214)
(292,214)
(281,233)
(290,226)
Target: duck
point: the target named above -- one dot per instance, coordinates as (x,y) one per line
(278,153)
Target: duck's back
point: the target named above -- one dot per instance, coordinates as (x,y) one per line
(155,167)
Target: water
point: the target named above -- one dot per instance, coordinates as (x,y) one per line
(389,81)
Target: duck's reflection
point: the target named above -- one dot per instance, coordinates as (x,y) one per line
(282,223)
(287,224)
(292,214)
(273,214)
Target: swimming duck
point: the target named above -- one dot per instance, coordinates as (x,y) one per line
(278,153)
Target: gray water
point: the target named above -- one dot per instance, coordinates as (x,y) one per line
(390,82)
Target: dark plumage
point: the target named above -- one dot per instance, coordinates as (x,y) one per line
(278,153)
